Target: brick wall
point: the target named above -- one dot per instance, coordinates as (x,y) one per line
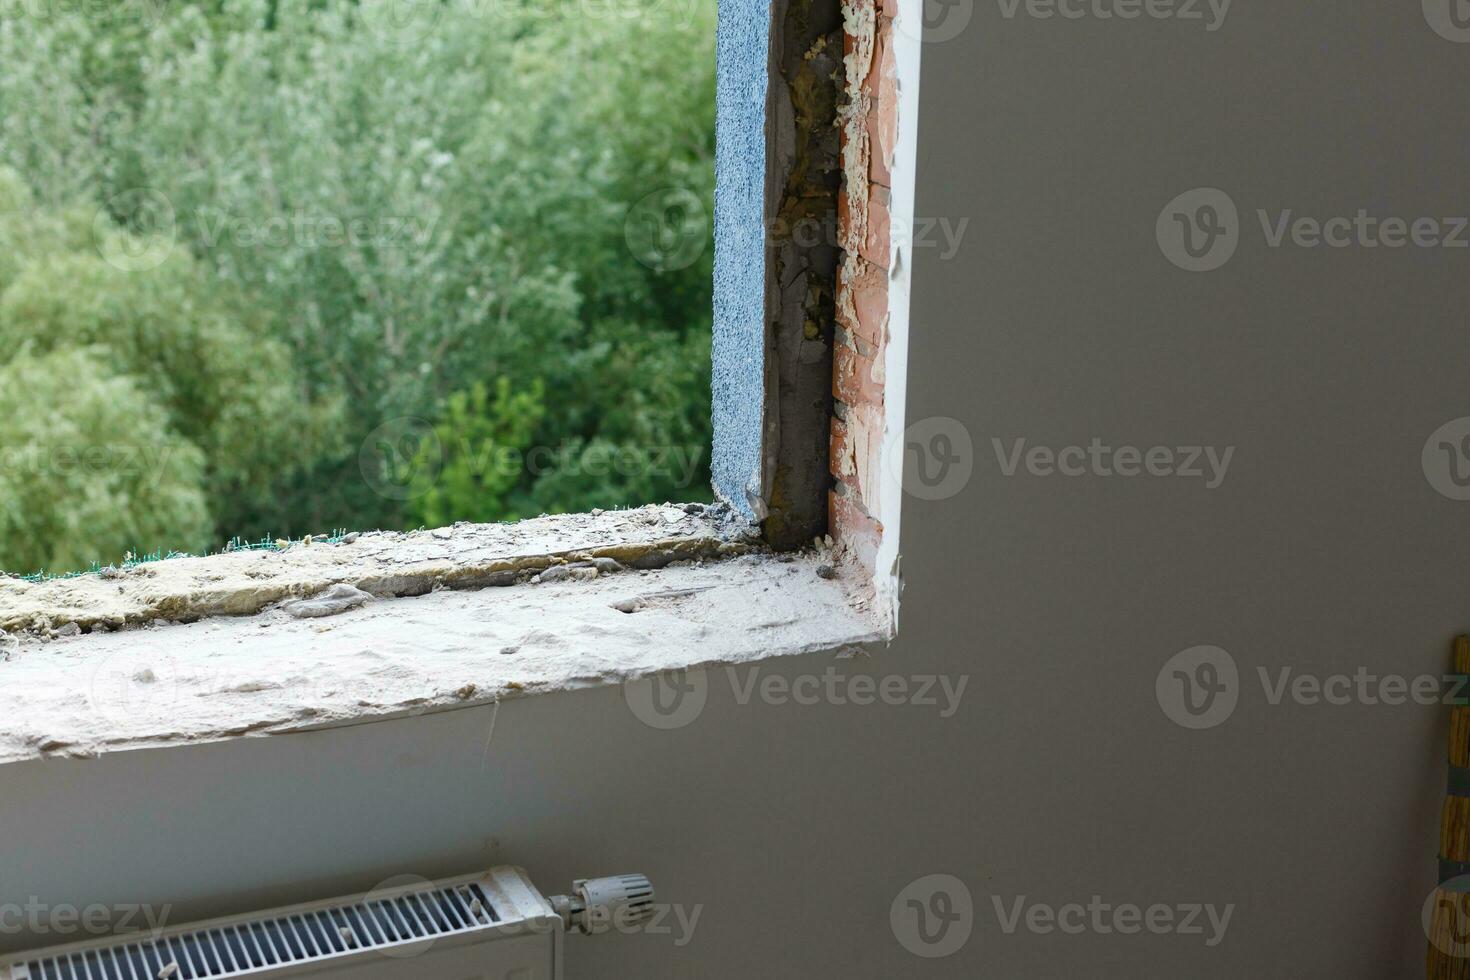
(868,130)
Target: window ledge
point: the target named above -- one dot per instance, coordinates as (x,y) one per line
(383,563)
(219,677)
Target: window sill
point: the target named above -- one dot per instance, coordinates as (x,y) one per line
(424,645)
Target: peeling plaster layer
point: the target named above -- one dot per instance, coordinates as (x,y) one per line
(382,563)
(859,23)
(270,674)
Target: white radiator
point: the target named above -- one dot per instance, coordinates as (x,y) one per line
(489,926)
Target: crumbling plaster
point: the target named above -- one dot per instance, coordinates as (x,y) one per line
(272,673)
(381,563)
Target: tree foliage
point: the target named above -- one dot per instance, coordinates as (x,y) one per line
(206,407)
(89,466)
(467,470)
(372,218)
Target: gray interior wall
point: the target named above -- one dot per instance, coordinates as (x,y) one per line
(1060,778)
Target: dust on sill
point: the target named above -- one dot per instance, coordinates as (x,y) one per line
(575,609)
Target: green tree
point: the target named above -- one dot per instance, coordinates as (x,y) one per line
(89,466)
(467,471)
(228,388)
(164,330)
(390,214)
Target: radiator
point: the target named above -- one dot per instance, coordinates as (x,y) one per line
(494,925)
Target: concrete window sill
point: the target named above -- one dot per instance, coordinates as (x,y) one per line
(204,649)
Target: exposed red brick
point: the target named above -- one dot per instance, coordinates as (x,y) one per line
(862,305)
(882,122)
(874,246)
(841,453)
(871,81)
(878,169)
(864,223)
(855,448)
(857,378)
(844,224)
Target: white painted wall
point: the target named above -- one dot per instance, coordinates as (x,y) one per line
(1059,778)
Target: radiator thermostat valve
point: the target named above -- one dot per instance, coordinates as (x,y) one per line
(599,904)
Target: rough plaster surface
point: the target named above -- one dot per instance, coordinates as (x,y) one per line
(382,563)
(739,379)
(272,673)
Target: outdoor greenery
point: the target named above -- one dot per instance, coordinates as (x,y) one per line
(273,267)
